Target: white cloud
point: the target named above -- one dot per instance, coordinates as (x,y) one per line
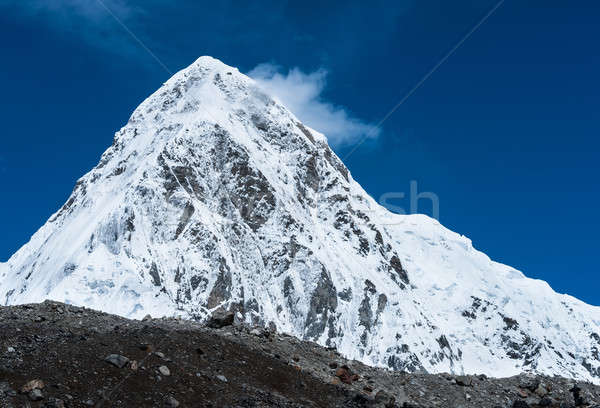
(301,93)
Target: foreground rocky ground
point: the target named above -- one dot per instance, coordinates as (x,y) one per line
(55,355)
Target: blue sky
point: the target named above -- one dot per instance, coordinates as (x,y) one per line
(505,132)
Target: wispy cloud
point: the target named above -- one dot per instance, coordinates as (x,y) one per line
(89,9)
(86,20)
(302,94)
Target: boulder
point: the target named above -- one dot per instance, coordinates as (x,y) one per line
(117,360)
(220,319)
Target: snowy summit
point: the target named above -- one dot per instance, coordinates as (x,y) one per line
(214,196)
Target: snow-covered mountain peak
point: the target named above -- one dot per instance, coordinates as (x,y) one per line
(214,195)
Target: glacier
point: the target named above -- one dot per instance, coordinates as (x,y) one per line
(215,196)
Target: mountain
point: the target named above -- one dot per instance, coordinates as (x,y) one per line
(214,196)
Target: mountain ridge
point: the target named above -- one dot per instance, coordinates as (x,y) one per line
(215,196)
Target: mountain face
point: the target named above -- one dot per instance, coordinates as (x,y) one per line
(214,196)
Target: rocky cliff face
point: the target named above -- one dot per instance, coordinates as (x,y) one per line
(214,196)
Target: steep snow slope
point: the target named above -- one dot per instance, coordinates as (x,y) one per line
(215,196)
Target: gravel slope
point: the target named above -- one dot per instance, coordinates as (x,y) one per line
(54,355)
